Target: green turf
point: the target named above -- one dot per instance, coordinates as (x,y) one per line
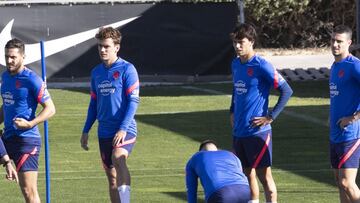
(172,120)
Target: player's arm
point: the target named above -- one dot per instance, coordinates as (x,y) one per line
(1,114)
(90,118)
(344,121)
(271,74)
(191,183)
(47,112)
(131,86)
(6,162)
(232,110)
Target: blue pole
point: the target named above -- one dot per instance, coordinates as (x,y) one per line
(46,137)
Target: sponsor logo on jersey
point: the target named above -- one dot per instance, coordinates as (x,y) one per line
(240,87)
(106,88)
(8,98)
(333,90)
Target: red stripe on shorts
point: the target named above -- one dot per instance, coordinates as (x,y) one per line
(262,152)
(346,156)
(24,158)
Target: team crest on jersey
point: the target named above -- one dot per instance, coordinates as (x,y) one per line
(17,84)
(106,88)
(333,90)
(240,87)
(116,75)
(8,98)
(341,73)
(250,71)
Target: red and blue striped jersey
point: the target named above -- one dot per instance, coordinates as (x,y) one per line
(114,98)
(344,86)
(21,94)
(252,82)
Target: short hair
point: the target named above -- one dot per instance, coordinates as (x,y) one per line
(343,29)
(16,44)
(206,142)
(109,32)
(242,31)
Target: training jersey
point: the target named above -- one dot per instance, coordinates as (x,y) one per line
(252,83)
(215,169)
(344,86)
(114,98)
(21,94)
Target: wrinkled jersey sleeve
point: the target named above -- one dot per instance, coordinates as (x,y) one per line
(132,88)
(39,89)
(280,84)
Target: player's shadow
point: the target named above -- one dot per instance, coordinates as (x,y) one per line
(300,143)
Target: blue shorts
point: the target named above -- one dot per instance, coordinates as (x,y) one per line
(24,151)
(345,154)
(231,194)
(106,148)
(254,151)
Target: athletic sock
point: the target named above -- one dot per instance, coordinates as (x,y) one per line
(124,193)
(253,201)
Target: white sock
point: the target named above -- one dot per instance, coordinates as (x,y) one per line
(271,202)
(124,193)
(253,201)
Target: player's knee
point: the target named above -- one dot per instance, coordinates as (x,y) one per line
(30,194)
(119,160)
(344,184)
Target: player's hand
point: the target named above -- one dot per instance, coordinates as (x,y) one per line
(11,173)
(261,121)
(119,137)
(84,141)
(345,121)
(21,123)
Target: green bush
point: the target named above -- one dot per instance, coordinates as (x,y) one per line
(298,23)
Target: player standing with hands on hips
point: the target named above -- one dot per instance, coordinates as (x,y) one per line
(345,115)
(114,100)
(253,77)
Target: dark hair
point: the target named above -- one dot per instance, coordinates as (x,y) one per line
(16,44)
(242,31)
(343,29)
(206,142)
(109,32)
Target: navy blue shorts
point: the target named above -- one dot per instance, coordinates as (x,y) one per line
(106,148)
(345,154)
(24,151)
(254,151)
(231,194)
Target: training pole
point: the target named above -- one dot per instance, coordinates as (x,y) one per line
(46,137)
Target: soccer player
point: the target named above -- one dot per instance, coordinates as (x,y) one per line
(5,159)
(220,173)
(114,100)
(21,91)
(253,77)
(344,114)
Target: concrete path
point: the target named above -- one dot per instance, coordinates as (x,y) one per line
(301,61)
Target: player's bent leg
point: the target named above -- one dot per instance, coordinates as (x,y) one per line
(113,191)
(267,180)
(254,187)
(28,185)
(347,183)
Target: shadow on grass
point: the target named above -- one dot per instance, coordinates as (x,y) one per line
(300,146)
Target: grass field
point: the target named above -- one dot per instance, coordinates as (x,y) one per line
(172,120)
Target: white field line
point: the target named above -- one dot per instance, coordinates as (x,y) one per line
(286,112)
